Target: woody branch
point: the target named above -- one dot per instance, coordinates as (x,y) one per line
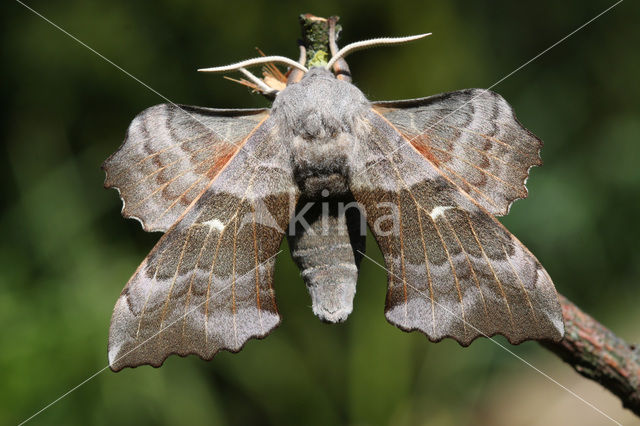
(598,354)
(589,347)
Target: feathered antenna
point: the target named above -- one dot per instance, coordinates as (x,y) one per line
(375,42)
(274,78)
(256,61)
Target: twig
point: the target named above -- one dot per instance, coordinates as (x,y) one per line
(598,354)
(315,35)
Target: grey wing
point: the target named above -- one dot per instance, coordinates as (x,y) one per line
(170,154)
(454,270)
(474,138)
(207,284)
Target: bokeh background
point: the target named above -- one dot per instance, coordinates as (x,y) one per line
(65,251)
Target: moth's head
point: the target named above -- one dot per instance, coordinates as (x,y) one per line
(274,80)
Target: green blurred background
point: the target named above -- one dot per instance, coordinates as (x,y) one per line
(66,252)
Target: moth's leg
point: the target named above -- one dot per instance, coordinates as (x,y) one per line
(340,68)
(263,87)
(296,74)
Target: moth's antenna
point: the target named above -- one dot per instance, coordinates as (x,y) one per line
(256,61)
(374,42)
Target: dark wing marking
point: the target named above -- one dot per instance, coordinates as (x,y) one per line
(455,271)
(170,154)
(474,138)
(207,284)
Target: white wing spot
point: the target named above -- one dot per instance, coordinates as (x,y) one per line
(215,224)
(439,211)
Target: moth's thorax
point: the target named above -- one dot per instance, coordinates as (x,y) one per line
(323,116)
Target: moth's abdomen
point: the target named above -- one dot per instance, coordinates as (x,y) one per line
(328,237)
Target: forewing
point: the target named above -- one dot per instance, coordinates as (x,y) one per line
(207,284)
(474,138)
(170,155)
(454,271)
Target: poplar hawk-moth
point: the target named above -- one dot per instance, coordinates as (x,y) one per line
(426,175)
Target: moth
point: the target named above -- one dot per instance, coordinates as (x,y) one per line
(427,176)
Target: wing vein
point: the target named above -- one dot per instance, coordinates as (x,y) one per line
(402,262)
(175,277)
(515,272)
(453,270)
(491,175)
(159,169)
(146,301)
(233,281)
(257,275)
(473,272)
(495,276)
(473,187)
(193,274)
(426,265)
(491,138)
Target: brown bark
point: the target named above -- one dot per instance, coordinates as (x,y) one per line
(598,354)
